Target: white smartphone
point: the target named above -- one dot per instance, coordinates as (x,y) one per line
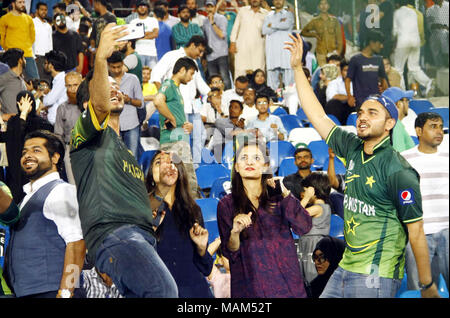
(135,31)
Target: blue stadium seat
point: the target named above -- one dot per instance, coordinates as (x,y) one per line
(403,286)
(278,151)
(339,167)
(443,111)
(301,115)
(227,155)
(209,212)
(279,111)
(207,157)
(337,226)
(334,119)
(319,149)
(207,174)
(287,167)
(290,122)
(415,139)
(145,159)
(442,290)
(420,105)
(217,189)
(154,119)
(351,119)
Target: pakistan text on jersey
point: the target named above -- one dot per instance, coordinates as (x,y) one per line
(135,171)
(356,205)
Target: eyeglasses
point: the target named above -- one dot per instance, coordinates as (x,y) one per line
(262,103)
(217,82)
(319,258)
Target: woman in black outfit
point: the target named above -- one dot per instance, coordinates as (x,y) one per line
(259,83)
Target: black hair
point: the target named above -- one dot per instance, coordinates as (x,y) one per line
(60,5)
(45,81)
(307,72)
(422,118)
(161,3)
(333,57)
(236,101)
(159,12)
(374,36)
(185,63)
(82,95)
(133,44)
(102,2)
(197,40)
(83,28)
(320,183)
(115,57)
(210,78)
(54,144)
(84,19)
(183,7)
(33,102)
(58,59)
(12,57)
(242,79)
(40,4)
(343,64)
(259,96)
(301,149)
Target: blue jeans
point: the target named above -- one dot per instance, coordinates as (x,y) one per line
(31,70)
(220,66)
(345,284)
(132,139)
(148,60)
(128,255)
(438,250)
(197,138)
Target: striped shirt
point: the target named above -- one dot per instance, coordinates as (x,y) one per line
(182,35)
(95,287)
(433,170)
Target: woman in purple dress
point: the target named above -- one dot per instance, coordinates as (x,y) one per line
(255,223)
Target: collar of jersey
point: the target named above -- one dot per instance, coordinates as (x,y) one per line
(381,145)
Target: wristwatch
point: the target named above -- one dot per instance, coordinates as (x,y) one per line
(423,287)
(65,293)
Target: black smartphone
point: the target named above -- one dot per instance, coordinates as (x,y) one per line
(168,124)
(275,191)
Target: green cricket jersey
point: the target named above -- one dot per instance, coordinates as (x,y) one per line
(4,237)
(110,184)
(382,195)
(175,103)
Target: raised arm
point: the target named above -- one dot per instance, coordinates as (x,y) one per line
(99,86)
(312,107)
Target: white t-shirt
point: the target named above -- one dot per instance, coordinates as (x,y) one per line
(337,86)
(433,170)
(249,113)
(146,46)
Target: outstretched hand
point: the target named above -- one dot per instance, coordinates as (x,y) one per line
(108,40)
(199,236)
(296,49)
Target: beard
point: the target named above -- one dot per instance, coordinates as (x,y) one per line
(38,172)
(184,19)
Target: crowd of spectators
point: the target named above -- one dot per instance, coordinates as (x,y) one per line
(205,74)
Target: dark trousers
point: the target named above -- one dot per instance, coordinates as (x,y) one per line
(220,66)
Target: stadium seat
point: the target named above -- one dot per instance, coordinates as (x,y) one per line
(403,286)
(145,159)
(227,155)
(154,119)
(337,226)
(420,105)
(207,157)
(301,115)
(443,111)
(217,189)
(279,111)
(207,174)
(442,290)
(287,167)
(351,119)
(303,135)
(209,212)
(319,149)
(290,122)
(278,150)
(415,139)
(334,119)
(339,167)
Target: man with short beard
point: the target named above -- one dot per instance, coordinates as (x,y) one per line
(114,207)
(195,17)
(17,31)
(66,116)
(146,47)
(303,160)
(46,249)
(183,31)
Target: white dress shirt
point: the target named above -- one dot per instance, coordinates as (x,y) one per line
(406,28)
(60,206)
(56,97)
(44,39)
(163,70)
(337,86)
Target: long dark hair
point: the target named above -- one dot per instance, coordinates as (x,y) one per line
(241,202)
(321,185)
(185,210)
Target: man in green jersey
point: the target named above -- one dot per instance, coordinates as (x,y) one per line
(382,204)
(114,208)
(174,127)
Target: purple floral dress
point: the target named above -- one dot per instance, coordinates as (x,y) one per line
(266,264)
